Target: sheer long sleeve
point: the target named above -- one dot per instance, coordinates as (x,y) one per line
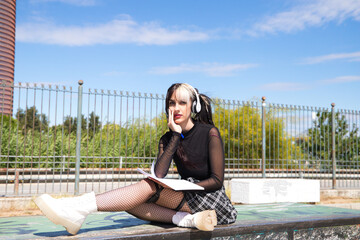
(217,162)
(165,155)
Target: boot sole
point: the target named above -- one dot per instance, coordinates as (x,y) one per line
(206,220)
(71,227)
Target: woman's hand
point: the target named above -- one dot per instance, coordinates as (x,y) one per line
(171,124)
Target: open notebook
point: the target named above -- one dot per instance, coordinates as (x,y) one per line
(176,184)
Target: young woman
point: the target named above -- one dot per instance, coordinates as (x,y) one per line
(195,145)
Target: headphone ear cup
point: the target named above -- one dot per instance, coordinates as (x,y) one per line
(198,107)
(193,107)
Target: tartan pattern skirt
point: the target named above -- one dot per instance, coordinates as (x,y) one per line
(200,201)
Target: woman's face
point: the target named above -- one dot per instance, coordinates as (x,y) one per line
(181,108)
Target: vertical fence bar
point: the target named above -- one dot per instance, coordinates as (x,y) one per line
(113,147)
(357,147)
(120,126)
(87,139)
(333,145)
(78,138)
(263,165)
(107,138)
(62,154)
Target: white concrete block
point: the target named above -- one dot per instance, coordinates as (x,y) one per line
(271,190)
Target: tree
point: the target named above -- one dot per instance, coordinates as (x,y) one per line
(132,144)
(70,124)
(30,119)
(318,145)
(8,137)
(94,124)
(241,131)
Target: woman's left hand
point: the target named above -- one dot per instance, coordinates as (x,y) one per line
(171,124)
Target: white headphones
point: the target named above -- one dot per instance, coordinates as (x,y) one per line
(196,106)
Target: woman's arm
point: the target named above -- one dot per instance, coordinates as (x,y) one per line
(165,155)
(166,152)
(216,161)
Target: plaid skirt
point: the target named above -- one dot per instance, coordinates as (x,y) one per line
(200,201)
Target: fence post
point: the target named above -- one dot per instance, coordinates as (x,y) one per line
(263,157)
(333,145)
(78,137)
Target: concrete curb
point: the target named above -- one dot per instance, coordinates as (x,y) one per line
(346,193)
(17,203)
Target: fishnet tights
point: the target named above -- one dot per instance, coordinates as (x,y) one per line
(153,212)
(171,199)
(133,200)
(125,198)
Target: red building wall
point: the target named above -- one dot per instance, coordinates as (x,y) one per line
(7,54)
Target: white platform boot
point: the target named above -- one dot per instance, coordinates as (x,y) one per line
(68,212)
(205,220)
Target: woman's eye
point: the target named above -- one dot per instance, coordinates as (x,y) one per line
(183,103)
(171,103)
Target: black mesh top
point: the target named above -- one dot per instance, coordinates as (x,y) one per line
(199,155)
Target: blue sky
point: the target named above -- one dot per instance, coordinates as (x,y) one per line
(291,51)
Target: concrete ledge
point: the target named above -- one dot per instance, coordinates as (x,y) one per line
(255,191)
(346,193)
(17,203)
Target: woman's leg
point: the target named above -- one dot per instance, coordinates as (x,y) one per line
(163,209)
(126,198)
(152,212)
(168,209)
(171,199)
(205,220)
(71,212)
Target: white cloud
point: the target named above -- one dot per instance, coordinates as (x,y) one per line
(210,69)
(296,86)
(355,56)
(342,79)
(284,86)
(316,13)
(72,2)
(117,31)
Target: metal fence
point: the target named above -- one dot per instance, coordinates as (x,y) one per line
(61,140)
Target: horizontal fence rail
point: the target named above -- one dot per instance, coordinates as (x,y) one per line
(61,140)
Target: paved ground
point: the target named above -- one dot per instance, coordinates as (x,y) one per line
(254,221)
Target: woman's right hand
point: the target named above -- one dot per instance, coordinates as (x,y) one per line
(171,124)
